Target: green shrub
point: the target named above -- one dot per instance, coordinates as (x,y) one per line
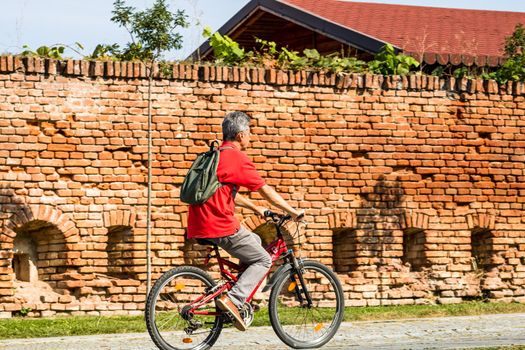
(225,49)
(514,66)
(387,62)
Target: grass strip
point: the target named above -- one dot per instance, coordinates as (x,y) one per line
(89,325)
(68,326)
(417,311)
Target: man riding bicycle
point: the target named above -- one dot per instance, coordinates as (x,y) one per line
(215,219)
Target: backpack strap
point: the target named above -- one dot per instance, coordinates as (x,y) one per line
(214,145)
(235,187)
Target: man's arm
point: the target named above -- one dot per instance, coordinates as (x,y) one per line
(244,202)
(273,197)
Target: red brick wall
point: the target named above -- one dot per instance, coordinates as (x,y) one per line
(419,181)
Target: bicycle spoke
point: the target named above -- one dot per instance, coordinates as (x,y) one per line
(299,324)
(167,320)
(170,321)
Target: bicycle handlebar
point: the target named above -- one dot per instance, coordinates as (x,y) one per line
(276,216)
(281,218)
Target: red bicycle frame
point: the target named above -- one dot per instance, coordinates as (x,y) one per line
(276,249)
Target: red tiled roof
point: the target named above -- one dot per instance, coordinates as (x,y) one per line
(442,34)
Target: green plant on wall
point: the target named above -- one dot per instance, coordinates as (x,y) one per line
(225,49)
(333,62)
(268,55)
(54,51)
(105,52)
(291,59)
(461,72)
(44,51)
(24,311)
(387,62)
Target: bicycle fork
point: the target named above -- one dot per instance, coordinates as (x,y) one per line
(297,271)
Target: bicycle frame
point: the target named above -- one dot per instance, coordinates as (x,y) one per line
(277,250)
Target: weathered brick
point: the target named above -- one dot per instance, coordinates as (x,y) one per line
(412,177)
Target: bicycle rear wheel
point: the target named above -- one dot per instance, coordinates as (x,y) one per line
(301,326)
(169,324)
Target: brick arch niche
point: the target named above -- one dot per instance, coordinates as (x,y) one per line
(414,227)
(489,249)
(344,241)
(37,239)
(122,254)
(482,238)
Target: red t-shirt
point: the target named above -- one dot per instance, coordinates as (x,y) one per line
(216,217)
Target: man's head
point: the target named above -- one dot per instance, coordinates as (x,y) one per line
(236,127)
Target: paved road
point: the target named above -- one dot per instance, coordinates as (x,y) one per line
(424,333)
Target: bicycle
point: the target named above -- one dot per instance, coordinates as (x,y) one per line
(306,304)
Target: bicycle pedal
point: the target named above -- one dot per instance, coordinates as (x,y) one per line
(256,307)
(227,317)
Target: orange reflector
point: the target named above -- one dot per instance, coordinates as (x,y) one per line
(179,286)
(187,340)
(292,286)
(318,327)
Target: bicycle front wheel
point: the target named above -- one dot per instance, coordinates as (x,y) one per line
(298,323)
(170,323)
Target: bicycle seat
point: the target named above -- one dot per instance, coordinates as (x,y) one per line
(204,241)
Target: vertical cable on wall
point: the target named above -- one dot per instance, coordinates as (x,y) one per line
(148,220)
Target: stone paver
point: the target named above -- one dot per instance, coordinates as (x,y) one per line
(424,333)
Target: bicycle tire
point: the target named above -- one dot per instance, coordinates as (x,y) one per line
(283,318)
(156,306)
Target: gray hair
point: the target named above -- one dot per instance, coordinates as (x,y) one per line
(234,123)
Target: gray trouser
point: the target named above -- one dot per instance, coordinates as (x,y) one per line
(245,246)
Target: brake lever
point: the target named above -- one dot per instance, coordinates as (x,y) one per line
(271,215)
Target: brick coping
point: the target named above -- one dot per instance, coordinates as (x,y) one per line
(235,74)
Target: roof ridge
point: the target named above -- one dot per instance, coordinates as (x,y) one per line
(418,6)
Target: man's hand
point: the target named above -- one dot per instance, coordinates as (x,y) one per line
(260,211)
(297,215)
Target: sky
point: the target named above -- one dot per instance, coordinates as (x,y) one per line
(48,22)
